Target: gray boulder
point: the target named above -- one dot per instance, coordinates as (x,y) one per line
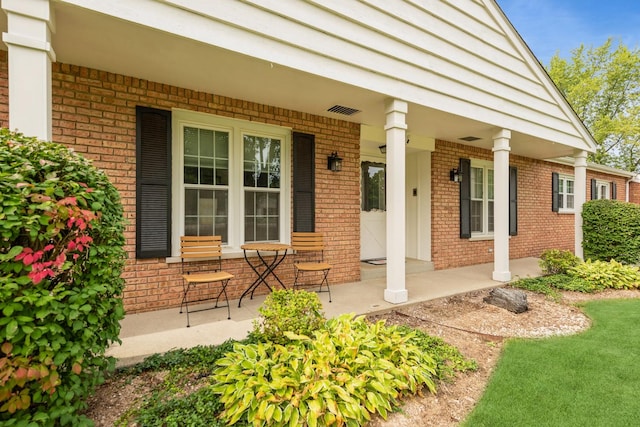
(513,300)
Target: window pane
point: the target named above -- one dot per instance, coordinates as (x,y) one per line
(204,151)
(490,184)
(191,202)
(206,143)
(190,170)
(490,217)
(476,216)
(261,162)
(569,187)
(222,172)
(206,171)
(206,213)
(190,141)
(476,183)
(373,187)
(222,145)
(570,201)
(262,216)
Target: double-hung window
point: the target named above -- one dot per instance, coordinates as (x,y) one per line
(603,190)
(565,193)
(230,178)
(481,198)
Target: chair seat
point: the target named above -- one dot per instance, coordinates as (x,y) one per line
(207,277)
(312,266)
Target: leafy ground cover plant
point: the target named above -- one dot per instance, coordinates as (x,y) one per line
(555,261)
(288,310)
(258,366)
(61,255)
(599,275)
(348,370)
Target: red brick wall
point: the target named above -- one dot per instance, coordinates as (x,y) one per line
(538,227)
(94,112)
(634,192)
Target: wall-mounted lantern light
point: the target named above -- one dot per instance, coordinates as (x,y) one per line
(334,163)
(455,175)
(383,149)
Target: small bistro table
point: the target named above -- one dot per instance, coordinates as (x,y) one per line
(264,251)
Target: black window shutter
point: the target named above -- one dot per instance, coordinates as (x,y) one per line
(594,190)
(153,183)
(513,201)
(555,192)
(465,198)
(303,182)
(614,191)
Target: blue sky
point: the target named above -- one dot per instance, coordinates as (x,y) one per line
(550,26)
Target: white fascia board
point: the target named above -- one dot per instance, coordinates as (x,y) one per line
(568,161)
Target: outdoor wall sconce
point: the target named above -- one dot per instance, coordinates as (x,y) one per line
(334,163)
(383,149)
(455,175)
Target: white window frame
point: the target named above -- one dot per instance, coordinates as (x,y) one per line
(603,185)
(485,165)
(236,128)
(562,183)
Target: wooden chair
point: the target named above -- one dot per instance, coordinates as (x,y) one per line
(308,249)
(199,249)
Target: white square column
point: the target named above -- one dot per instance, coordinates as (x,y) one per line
(28,39)
(579,197)
(396,132)
(501,150)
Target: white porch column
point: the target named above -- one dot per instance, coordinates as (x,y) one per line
(28,39)
(579,197)
(396,128)
(501,150)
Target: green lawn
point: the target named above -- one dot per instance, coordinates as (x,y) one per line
(590,379)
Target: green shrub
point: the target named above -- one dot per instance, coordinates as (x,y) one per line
(283,311)
(555,261)
(61,257)
(539,285)
(600,275)
(348,370)
(448,358)
(611,230)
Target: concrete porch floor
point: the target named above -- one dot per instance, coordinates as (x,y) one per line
(148,333)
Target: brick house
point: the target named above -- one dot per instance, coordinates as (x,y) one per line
(220,118)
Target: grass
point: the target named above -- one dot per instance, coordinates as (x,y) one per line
(590,379)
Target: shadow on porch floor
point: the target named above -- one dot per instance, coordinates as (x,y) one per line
(144,334)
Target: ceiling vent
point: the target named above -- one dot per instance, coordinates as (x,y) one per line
(341,109)
(470,138)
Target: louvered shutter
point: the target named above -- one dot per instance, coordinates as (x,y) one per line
(465,198)
(555,192)
(513,201)
(303,182)
(153,183)
(594,190)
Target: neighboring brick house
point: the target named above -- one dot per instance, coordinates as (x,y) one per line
(236,106)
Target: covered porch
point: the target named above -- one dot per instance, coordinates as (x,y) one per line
(153,332)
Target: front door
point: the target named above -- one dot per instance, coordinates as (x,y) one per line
(373,217)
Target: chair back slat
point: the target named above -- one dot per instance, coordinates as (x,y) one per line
(200,247)
(307,241)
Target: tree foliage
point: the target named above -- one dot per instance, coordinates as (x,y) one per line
(602,84)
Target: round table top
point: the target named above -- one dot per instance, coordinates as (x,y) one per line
(265,246)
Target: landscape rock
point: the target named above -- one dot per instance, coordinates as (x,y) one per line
(513,300)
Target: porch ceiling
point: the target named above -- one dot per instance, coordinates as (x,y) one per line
(86,38)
